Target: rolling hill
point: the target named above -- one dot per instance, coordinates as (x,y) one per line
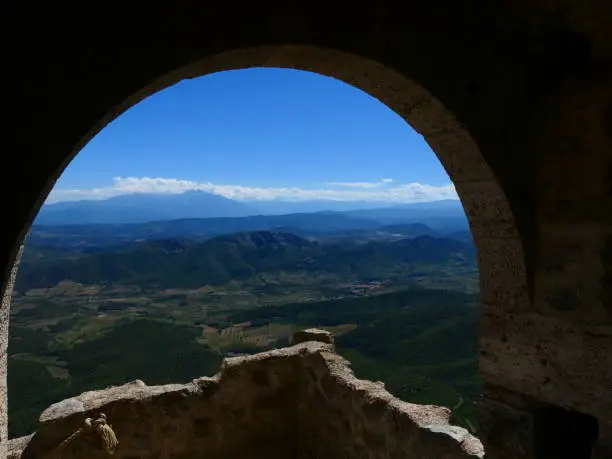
(327,225)
(239,256)
(84,236)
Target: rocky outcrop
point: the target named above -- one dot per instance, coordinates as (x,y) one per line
(301,401)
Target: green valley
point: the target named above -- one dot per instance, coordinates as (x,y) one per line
(404,311)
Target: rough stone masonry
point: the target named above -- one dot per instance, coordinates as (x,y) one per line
(301,401)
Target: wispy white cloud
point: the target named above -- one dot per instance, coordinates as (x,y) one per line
(396,193)
(385,181)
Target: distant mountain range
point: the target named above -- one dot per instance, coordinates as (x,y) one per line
(320,226)
(149,207)
(237,257)
(289,207)
(143,207)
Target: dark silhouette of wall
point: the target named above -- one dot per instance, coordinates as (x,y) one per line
(514,96)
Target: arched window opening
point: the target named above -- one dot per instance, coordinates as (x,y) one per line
(141,280)
(444,382)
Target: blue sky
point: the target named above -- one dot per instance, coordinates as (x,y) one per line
(259,134)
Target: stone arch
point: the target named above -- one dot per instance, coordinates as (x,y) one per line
(524,78)
(503,272)
(502,264)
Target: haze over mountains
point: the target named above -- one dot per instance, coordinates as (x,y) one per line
(148,207)
(200,216)
(143,207)
(157,207)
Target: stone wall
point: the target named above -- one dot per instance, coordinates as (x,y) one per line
(302,401)
(526,89)
(5,306)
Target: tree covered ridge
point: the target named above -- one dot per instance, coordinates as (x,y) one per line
(240,256)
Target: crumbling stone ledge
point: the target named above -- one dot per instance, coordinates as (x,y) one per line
(17,445)
(301,401)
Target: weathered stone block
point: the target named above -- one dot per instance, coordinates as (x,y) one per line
(313,334)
